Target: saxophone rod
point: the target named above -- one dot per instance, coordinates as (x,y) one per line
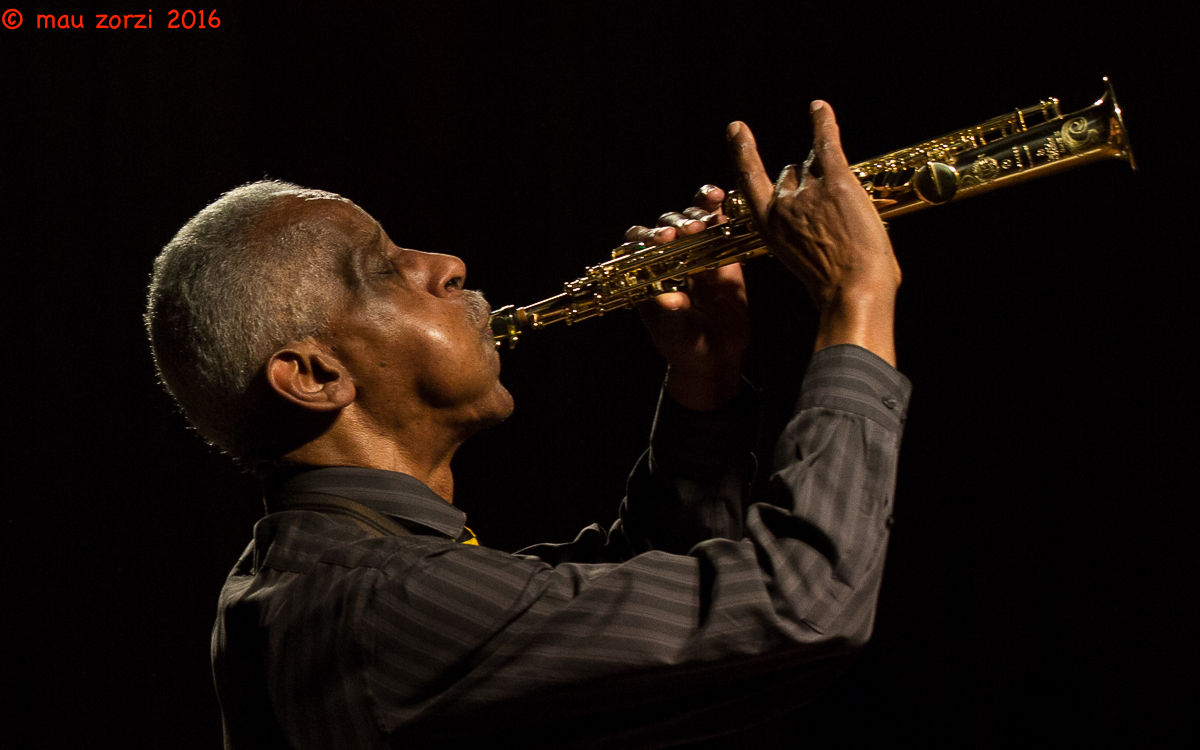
(1021,145)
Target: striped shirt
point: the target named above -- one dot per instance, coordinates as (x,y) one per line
(355,619)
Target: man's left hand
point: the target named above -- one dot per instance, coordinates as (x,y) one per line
(703,329)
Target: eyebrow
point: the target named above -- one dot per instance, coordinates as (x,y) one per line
(367,244)
(372,243)
(377,237)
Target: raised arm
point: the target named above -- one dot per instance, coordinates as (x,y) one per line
(693,483)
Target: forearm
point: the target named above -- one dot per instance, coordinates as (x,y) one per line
(691,484)
(704,387)
(835,477)
(694,482)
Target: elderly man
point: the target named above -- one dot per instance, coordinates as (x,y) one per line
(347,370)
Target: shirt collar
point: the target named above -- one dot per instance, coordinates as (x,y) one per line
(389,492)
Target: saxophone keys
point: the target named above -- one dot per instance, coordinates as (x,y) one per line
(628,248)
(936,182)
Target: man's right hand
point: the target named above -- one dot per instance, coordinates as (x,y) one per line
(820,223)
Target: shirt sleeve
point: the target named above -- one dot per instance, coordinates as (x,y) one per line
(661,646)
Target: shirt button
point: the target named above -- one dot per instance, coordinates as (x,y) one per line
(889,402)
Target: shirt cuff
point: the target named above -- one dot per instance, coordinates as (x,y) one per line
(849,378)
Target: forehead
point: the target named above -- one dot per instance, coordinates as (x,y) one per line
(320,225)
(319,211)
(341,246)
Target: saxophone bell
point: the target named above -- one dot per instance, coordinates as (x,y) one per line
(1023,145)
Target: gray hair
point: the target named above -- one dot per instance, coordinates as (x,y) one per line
(227,293)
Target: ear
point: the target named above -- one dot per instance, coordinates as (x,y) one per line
(310,377)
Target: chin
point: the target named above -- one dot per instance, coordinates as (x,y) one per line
(496,411)
(507,407)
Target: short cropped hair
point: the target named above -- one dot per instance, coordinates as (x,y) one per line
(225,295)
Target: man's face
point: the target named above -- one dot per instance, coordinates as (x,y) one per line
(415,341)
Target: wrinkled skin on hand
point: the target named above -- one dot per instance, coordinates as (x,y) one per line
(820,223)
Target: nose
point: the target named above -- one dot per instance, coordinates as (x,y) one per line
(444,274)
(452,273)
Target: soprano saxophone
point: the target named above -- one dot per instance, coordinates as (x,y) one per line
(1005,150)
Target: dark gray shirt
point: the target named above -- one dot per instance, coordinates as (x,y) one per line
(356,620)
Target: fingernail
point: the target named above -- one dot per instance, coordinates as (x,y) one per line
(733,129)
(817,104)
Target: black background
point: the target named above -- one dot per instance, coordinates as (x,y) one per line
(1039,582)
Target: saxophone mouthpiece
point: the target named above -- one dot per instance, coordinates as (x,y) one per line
(506,324)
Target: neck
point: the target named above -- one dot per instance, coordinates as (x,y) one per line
(420,452)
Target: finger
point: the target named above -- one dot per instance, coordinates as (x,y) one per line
(789,179)
(637,233)
(706,218)
(718,282)
(811,172)
(673,301)
(751,175)
(664,313)
(681,221)
(709,199)
(827,141)
(649,235)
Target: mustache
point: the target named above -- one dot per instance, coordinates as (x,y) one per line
(478,307)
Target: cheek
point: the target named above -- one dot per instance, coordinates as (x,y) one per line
(442,345)
(455,362)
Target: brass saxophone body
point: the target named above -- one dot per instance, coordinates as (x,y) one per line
(1022,145)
